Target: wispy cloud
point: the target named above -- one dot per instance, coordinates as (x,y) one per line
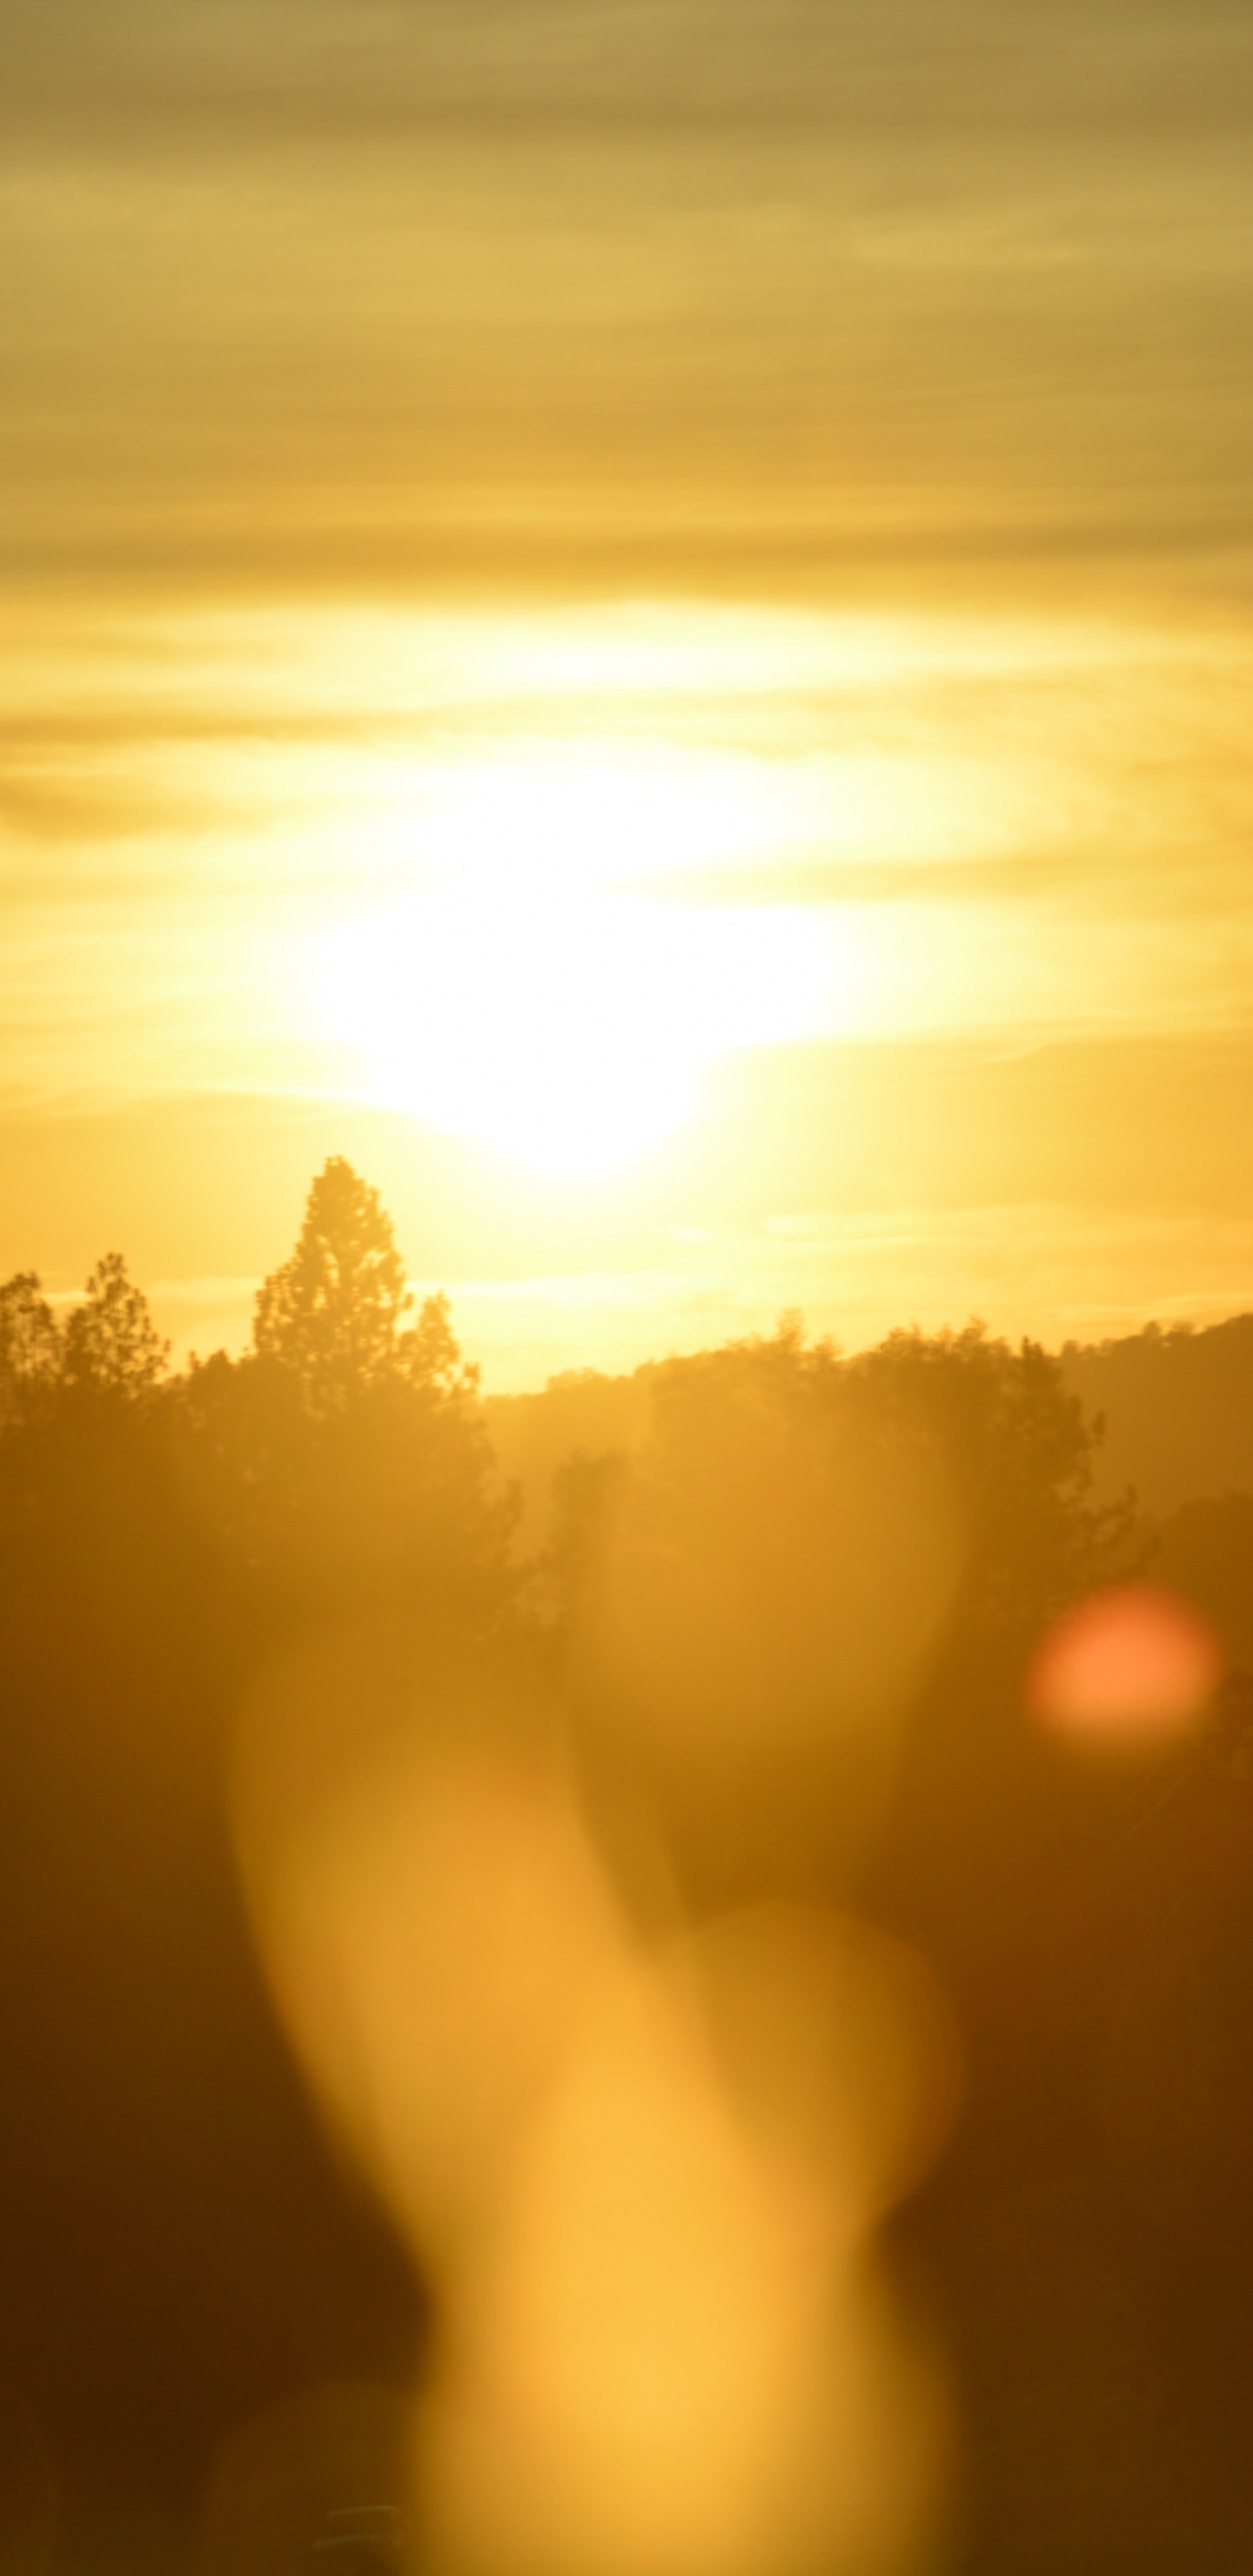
(671,294)
(238,64)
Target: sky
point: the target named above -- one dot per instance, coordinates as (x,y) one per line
(638,616)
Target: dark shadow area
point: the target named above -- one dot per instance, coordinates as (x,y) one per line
(785,1603)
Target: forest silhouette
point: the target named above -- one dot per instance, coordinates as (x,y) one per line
(784,1603)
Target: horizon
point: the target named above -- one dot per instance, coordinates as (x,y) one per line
(215,1313)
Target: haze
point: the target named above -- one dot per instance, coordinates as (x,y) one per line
(638,621)
(626,1290)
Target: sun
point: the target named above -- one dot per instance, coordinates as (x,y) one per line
(549,1025)
(535,989)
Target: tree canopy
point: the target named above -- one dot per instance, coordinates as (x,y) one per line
(110,1341)
(345,1453)
(30,1344)
(776,1452)
(331,1314)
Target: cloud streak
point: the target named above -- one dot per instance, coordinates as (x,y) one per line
(229,69)
(667,294)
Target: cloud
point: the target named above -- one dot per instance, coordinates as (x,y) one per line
(768,294)
(238,69)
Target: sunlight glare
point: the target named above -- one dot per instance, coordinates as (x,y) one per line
(569,1030)
(524,994)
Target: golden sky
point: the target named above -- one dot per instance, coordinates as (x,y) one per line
(637,615)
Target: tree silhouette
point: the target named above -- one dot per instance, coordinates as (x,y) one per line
(431,1356)
(30,1345)
(110,1341)
(331,1314)
(346,1456)
(777,1453)
(1018,1452)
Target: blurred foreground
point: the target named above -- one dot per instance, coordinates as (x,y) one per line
(767,1952)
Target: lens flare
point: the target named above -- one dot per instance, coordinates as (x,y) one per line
(1133,1666)
(641,2169)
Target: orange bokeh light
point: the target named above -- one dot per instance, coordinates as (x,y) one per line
(1133,1665)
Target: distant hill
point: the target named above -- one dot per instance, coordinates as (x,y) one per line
(1177,1402)
(1178,1406)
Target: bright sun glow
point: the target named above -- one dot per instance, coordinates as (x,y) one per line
(527,993)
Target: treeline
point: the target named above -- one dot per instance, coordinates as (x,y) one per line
(344,1452)
(783,1602)
(1178,1401)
